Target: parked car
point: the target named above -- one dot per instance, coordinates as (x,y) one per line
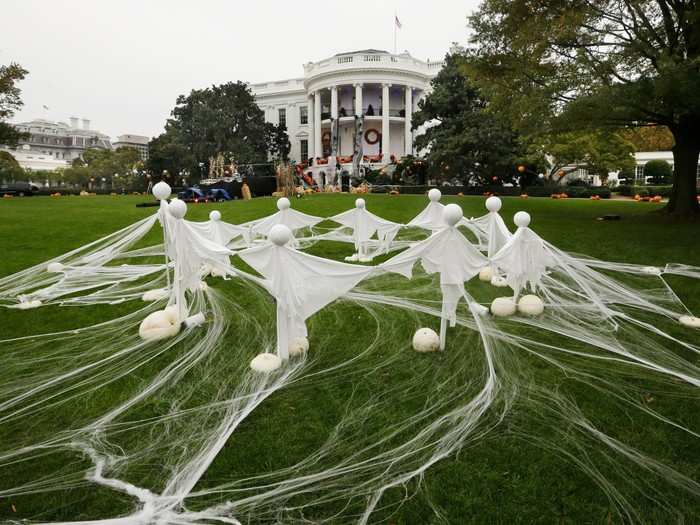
(192,195)
(218,195)
(20,189)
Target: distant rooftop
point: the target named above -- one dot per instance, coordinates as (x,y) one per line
(133,139)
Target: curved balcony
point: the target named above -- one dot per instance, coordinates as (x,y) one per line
(378,60)
(395,115)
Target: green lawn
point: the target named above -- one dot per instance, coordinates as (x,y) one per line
(509,476)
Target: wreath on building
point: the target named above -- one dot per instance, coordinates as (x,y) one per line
(371,136)
(326,137)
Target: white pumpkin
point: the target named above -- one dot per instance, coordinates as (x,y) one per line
(503,306)
(160,324)
(299,346)
(426,340)
(530,305)
(265,363)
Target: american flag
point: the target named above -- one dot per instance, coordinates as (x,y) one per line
(397,21)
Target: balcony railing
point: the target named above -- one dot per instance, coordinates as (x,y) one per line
(376,112)
(373,60)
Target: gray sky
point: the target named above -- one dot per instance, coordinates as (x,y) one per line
(122,63)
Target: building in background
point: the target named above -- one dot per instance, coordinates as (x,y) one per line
(381,88)
(138,142)
(640,159)
(52,145)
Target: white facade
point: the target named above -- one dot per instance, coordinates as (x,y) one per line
(640,160)
(51,145)
(139,142)
(381,88)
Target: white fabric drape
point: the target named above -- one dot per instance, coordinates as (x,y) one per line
(301,284)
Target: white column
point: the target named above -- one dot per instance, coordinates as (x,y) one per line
(334,118)
(334,102)
(318,147)
(386,139)
(358,100)
(408,136)
(311,116)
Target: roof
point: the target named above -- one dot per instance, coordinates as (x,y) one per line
(133,139)
(364,52)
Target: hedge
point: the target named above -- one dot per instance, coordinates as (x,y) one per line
(533,191)
(629,190)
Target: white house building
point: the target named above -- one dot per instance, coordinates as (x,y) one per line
(367,95)
(51,145)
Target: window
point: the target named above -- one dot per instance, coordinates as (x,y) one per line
(303,115)
(282,117)
(639,172)
(304,149)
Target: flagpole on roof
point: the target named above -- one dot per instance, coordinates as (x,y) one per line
(397,25)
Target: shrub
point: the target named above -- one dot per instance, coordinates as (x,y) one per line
(657,172)
(626,176)
(645,191)
(10,169)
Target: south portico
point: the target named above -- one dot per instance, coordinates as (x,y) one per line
(385,109)
(350,102)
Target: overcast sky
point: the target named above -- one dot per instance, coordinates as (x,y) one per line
(122,63)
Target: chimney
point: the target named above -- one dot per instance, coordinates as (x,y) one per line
(74,122)
(86,124)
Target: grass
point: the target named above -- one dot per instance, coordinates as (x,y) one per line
(500,479)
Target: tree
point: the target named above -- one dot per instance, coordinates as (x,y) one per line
(599,151)
(278,141)
(221,119)
(649,138)
(99,167)
(597,63)
(10,170)
(463,138)
(658,172)
(10,102)
(167,152)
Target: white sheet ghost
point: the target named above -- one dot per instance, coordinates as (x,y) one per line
(190,251)
(524,259)
(450,254)
(292,219)
(431,217)
(301,284)
(221,232)
(493,232)
(365,225)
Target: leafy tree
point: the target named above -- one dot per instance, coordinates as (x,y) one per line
(603,63)
(463,138)
(10,102)
(278,141)
(167,152)
(411,170)
(101,165)
(626,176)
(10,170)
(599,151)
(649,138)
(221,119)
(77,176)
(658,172)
